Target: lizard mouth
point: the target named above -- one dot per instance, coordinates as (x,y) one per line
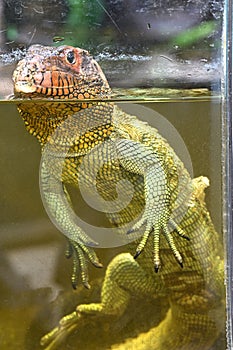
(42,83)
(23,86)
(23,81)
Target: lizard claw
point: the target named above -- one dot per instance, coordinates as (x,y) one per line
(137,226)
(157,267)
(79,253)
(137,254)
(157,228)
(178,230)
(143,241)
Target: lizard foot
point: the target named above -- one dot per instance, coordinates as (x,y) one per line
(79,252)
(71,322)
(157,228)
(66,325)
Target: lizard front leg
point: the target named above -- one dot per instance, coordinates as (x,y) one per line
(137,158)
(59,207)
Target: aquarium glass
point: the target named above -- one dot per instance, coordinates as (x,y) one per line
(131,163)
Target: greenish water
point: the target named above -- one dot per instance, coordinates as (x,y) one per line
(35,289)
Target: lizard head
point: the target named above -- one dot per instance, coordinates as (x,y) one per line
(64,72)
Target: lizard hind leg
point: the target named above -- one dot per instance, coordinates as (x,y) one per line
(124,278)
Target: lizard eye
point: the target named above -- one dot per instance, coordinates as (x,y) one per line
(70,57)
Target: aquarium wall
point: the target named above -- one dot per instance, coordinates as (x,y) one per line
(146,44)
(116,170)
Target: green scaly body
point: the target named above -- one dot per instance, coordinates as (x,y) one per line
(170,203)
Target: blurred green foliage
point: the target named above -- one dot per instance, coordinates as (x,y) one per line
(195,34)
(85,16)
(85,12)
(93,24)
(12,32)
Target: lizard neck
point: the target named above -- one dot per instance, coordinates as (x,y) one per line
(93,121)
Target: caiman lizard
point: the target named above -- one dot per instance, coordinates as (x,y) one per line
(167,206)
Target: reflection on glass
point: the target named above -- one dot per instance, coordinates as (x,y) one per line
(142,200)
